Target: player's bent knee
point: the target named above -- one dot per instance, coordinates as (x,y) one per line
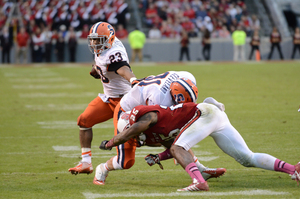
(129,164)
(246,161)
(82,122)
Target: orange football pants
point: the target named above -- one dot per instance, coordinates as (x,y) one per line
(126,151)
(97,112)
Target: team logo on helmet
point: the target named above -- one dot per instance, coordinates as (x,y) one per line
(183,90)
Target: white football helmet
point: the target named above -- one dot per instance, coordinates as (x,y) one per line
(123,122)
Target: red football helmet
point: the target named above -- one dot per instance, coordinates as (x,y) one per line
(101,37)
(183,90)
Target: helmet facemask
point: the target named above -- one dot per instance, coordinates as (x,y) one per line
(101,45)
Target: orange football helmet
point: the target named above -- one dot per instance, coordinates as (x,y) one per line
(101,37)
(183,90)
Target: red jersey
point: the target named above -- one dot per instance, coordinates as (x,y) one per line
(169,120)
(22,39)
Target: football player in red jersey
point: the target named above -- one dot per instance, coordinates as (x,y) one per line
(113,69)
(191,123)
(166,89)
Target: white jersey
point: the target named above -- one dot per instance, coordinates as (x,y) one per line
(114,85)
(153,90)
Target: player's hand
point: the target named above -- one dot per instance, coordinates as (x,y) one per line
(103,145)
(153,159)
(136,81)
(94,73)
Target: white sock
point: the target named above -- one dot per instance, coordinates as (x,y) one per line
(86,155)
(200,166)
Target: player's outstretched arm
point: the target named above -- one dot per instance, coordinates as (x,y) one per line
(143,123)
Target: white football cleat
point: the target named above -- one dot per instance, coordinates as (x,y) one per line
(296,175)
(100,175)
(196,186)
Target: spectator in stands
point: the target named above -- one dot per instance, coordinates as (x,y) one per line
(6,43)
(85,31)
(137,40)
(48,44)
(275,39)
(184,46)
(72,44)
(206,45)
(60,48)
(121,32)
(2,20)
(246,24)
(239,40)
(38,42)
(296,42)
(201,12)
(189,12)
(224,33)
(255,42)
(22,45)
(208,24)
(254,23)
(166,30)
(123,14)
(154,33)
(189,27)
(151,14)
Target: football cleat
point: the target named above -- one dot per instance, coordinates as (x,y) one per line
(82,167)
(296,175)
(196,186)
(100,175)
(212,173)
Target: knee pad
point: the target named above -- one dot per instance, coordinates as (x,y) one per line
(127,164)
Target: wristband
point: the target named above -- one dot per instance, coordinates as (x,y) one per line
(132,79)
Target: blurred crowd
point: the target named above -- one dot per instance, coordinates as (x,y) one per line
(47,25)
(167,18)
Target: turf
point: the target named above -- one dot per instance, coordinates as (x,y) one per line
(39,136)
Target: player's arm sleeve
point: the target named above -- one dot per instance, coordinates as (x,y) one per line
(126,73)
(114,67)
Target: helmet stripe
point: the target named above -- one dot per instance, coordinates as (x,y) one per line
(188,88)
(96,27)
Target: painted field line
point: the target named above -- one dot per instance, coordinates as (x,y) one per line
(31,86)
(202,159)
(57,95)
(255,192)
(44,80)
(55,107)
(42,74)
(68,124)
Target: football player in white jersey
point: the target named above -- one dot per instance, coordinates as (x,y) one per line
(112,67)
(152,90)
(195,122)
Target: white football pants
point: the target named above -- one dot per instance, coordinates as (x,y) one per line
(215,123)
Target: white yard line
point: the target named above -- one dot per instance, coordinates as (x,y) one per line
(255,192)
(31,86)
(55,107)
(57,95)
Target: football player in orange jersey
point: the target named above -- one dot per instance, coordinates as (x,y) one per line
(113,69)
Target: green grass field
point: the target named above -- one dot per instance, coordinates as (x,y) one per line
(39,136)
